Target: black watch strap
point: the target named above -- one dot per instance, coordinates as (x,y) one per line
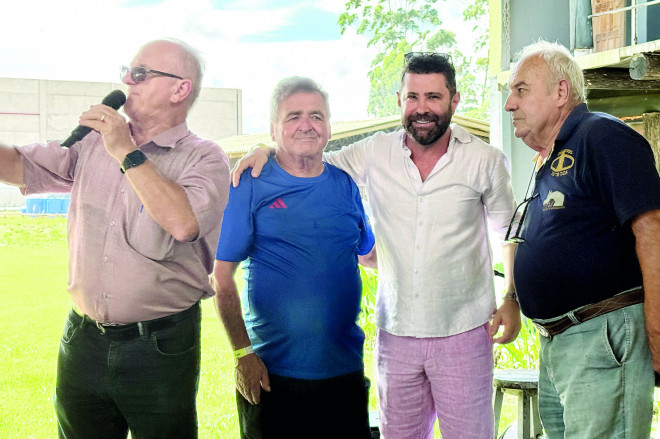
(133,159)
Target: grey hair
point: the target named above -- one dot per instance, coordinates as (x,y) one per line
(561,65)
(290,86)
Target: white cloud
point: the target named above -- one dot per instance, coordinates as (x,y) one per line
(339,66)
(86,40)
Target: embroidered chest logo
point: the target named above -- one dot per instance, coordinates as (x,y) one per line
(562,163)
(278,204)
(554,200)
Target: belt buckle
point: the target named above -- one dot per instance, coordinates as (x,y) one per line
(544,332)
(99,326)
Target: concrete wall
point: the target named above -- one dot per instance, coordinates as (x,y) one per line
(38,110)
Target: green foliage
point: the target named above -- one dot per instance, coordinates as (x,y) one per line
(385,80)
(397,27)
(388,22)
(475,98)
(367,319)
(523,352)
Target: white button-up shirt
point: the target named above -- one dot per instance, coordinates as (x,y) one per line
(435,273)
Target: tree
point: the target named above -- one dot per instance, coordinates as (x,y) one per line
(474,69)
(396,27)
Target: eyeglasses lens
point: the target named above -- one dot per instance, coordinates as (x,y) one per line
(138,74)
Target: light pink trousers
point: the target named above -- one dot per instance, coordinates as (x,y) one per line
(450,378)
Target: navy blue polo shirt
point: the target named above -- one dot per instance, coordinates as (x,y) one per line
(579,247)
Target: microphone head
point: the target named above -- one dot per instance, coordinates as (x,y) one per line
(114,99)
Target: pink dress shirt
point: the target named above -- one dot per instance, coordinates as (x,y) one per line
(123,267)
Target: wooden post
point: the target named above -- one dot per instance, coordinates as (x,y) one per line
(652,134)
(645,66)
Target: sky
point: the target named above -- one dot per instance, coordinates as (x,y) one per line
(247,44)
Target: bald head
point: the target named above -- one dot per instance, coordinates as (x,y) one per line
(185,61)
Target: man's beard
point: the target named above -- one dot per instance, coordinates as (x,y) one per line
(429,136)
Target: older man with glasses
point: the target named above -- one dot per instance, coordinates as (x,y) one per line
(588,258)
(147,198)
(432,188)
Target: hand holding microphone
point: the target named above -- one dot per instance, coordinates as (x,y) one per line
(114,99)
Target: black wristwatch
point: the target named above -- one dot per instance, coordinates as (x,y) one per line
(133,159)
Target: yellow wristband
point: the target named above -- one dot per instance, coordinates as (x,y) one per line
(240,353)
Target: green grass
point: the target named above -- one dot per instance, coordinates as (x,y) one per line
(33,275)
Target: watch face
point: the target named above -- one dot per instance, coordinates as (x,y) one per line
(133,159)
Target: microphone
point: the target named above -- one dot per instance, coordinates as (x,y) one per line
(114,99)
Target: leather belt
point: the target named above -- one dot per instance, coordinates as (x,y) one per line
(134,330)
(632,297)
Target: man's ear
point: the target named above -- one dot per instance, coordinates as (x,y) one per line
(454,101)
(563,92)
(182,91)
(398,99)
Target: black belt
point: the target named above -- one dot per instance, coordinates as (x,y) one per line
(588,312)
(134,330)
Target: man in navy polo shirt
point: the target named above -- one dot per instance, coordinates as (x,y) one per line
(587,266)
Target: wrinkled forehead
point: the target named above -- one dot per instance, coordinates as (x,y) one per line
(528,71)
(304,102)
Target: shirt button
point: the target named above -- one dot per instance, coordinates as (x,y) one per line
(112,223)
(416,271)
(421,223)
(418,246)
(105,259)
(104,295)
(421,199)
(121,190)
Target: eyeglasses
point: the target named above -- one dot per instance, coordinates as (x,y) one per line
(139,74)
(410,55)
(516,236)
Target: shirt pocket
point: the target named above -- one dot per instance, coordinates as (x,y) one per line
(148,238)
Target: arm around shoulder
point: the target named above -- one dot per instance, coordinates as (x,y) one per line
(255,159)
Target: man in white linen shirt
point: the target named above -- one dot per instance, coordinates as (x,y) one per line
(431,188)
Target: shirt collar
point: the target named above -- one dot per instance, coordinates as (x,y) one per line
(572,121)
(170,137)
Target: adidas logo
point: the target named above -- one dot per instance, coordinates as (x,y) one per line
(278,204)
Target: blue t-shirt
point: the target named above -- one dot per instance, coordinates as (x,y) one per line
(300,238)
(579,247)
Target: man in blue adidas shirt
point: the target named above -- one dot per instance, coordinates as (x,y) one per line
(300,229)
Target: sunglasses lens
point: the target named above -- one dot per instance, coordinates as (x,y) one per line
(138,74)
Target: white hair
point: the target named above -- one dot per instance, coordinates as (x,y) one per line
(561,65)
